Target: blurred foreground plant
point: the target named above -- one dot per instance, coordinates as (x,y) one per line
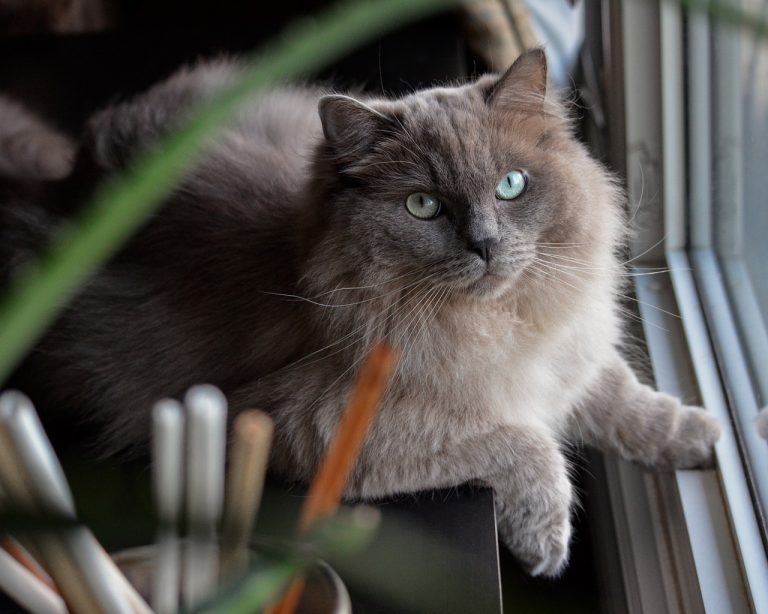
(348,532)
(270,570)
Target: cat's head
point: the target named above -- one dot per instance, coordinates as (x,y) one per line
(467,185)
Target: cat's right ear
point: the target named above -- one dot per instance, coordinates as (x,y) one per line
(350,126)
(524,86)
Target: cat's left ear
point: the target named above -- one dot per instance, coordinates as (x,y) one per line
(349,125)
(524,86)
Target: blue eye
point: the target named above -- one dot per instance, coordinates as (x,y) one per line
(512,186)
(423,206)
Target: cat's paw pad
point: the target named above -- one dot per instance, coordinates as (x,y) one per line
(692,444)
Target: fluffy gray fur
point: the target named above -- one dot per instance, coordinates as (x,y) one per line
(29,149)
(288,250)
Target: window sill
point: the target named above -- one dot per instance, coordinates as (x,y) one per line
(687,541)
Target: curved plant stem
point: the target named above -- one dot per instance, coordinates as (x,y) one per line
(120,206)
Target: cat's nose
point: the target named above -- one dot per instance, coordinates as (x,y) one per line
(484,248)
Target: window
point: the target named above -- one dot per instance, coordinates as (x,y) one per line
(687,106)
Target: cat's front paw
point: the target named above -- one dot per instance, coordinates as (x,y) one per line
(551,551)
(692,442)
(538,531)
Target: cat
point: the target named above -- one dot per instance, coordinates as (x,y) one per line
(465,224)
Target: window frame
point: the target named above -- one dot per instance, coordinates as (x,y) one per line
(687,541)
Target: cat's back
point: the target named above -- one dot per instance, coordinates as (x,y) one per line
(263,153)
(273,139)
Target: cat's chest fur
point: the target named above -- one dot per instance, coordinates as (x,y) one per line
(481,364)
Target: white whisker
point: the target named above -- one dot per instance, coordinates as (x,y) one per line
(312,300)
(640,199)
(639,302)
(643,253)
(423,321)
(414,288)
(374,324)
(560,245)
(614,270)
(624,296)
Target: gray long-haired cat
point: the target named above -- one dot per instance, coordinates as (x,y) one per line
(464,224)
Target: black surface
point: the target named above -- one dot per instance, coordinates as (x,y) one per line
(8,606)
(67,78)
(577,590)
(435,552)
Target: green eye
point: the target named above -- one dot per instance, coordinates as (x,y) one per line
(513,184)
(422,206)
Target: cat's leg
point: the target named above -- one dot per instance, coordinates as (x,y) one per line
(619,413)
(525,468)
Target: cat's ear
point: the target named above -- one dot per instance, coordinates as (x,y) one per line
(524,86)
(350,126)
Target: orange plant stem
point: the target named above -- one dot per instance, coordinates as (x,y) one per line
(327,488)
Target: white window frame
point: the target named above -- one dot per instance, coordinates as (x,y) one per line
(688,541)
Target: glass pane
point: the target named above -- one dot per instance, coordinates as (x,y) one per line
(754,121)
(740,179)
(739,83)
